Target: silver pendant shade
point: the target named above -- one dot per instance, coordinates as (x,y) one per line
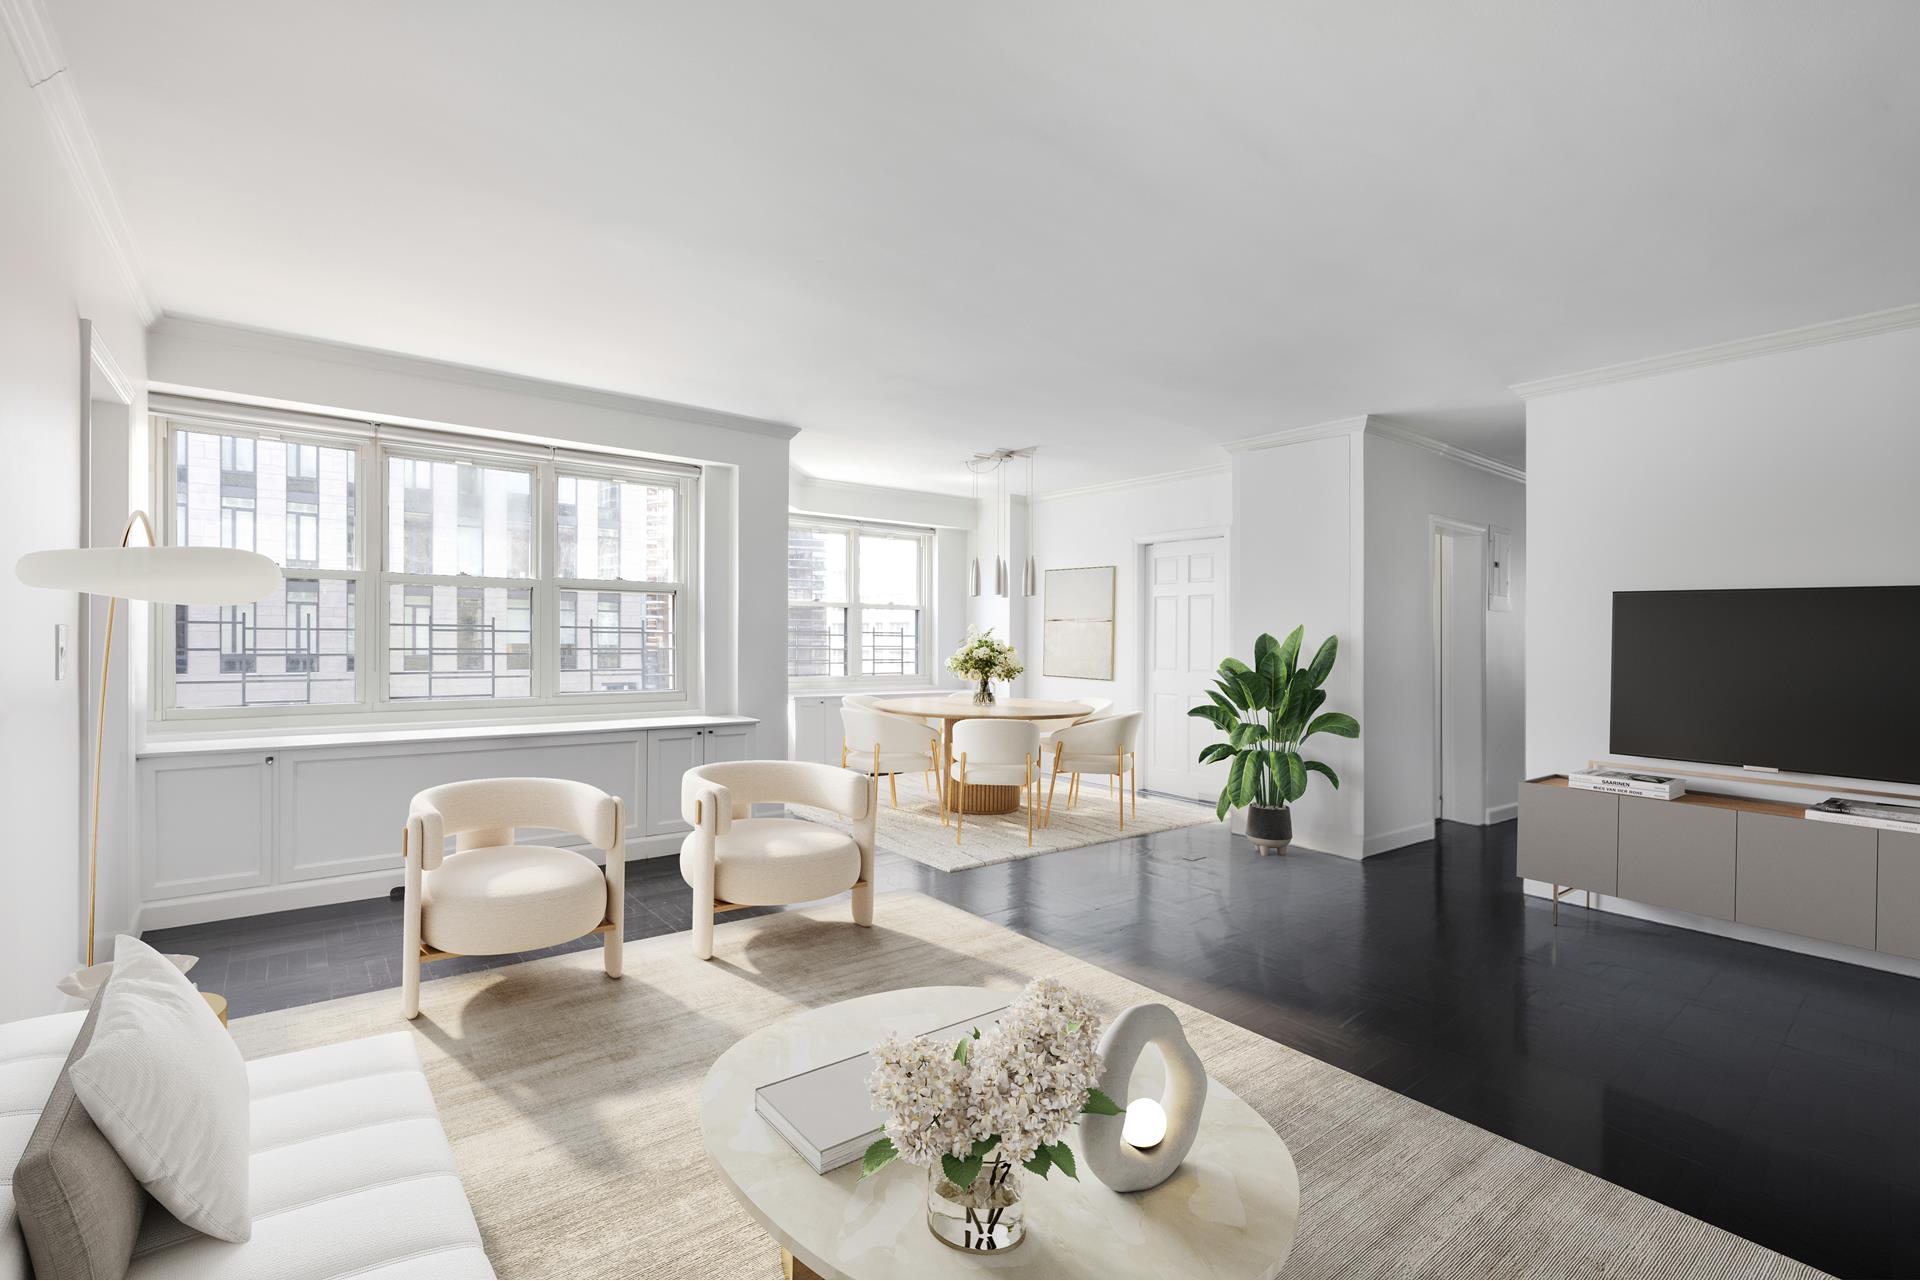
(1002,584)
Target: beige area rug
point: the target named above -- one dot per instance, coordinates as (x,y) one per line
(913,829)
(572,1104)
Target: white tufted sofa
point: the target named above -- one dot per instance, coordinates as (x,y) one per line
(732,860)
(351,1172)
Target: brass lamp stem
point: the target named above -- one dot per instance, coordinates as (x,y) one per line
(100,731)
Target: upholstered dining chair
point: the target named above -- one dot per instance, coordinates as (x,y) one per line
(1100,706)
(996,753)
(876,743)
(731,860)
(1103,746)
(490,897)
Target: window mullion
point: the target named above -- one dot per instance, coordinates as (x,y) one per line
(546,595)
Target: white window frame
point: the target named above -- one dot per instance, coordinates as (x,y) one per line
(372,448)
(855,681)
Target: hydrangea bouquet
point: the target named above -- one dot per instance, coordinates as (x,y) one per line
(971,1112)
(986,660)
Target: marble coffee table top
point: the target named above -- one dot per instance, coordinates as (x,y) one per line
(1229,1211)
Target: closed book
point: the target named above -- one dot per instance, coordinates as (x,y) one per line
(824,1113)
(1656,787)
(1892,818)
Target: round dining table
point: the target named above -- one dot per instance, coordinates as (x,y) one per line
(978,798)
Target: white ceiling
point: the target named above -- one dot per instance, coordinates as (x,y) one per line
(1124,232)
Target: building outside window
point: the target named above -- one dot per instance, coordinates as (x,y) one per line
(857,601)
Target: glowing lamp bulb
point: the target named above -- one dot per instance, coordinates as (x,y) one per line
(1146,1123)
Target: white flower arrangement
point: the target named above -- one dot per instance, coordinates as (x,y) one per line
(983,658)
(1014,1090)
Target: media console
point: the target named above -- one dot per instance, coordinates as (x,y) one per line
(1733,858)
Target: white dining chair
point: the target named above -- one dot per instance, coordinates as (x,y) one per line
(1100,707)
(875,744)
(996,753)
(1104,746)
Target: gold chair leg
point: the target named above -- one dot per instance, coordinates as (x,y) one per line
(1027,787)
(893,789)
(1116,784)
(1053,783)
(1133,781)
(960,801)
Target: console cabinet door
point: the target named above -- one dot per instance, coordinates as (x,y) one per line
(1677,855)
(1899,932)
(208,824)
(670,753)
(1813,879)
(1570,837)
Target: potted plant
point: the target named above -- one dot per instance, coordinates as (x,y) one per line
(985,660)
(1267,711)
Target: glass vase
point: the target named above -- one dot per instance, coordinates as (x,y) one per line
(985,1216)
(983,696)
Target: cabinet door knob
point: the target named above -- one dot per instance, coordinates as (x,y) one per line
(269,760)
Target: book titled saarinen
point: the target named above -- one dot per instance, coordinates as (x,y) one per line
(1659,787)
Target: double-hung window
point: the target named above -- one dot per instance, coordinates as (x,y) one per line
(505,578)
(857,601)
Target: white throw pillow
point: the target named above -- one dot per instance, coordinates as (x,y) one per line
(167,1086)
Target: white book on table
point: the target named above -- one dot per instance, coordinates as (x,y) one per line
(1659,787)
(824,1113)
(1891,818)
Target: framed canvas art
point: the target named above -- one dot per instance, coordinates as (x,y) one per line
(1078,623)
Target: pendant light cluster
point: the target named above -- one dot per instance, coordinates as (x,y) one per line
(995,463)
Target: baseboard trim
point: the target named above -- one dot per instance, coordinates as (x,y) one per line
(1502,813)
(261,900)
(1385,841)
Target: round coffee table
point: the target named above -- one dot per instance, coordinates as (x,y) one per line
(978,798)
(1229,1211)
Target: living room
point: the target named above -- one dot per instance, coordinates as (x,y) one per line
(1335,707)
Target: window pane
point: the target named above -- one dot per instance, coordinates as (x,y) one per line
(615,642)
(816,564)
(889,570)
(816,640)
(615,529)
(292,502)
(889,642)
(449,518)
(292,649)
(447,641)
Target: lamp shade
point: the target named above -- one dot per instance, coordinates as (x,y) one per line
(170,575)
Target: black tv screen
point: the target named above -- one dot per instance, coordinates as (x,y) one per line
(1807,680)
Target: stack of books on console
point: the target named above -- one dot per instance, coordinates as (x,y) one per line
(1895,818)
(824,1113)
(1654,787)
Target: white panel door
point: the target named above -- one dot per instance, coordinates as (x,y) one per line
(1186,629)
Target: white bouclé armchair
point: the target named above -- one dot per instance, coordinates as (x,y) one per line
(732,860)
(490,897)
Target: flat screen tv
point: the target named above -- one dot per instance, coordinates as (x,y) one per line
(1807,680)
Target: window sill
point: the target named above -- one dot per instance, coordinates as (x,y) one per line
(281,739)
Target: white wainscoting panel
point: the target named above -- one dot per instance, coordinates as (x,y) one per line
(208,825)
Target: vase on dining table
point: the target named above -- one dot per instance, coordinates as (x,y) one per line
(983,697)
(987,1215)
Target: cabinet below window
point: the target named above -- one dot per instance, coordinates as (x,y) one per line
(233,831)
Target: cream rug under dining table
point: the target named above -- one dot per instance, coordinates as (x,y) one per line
(913,829)
(571,1101)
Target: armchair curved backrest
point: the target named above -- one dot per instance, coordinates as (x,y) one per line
(484,812)
(1106,736)
(865,730)
(995,742)
(712,796)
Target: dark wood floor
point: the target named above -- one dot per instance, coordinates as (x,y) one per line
(1773,1094)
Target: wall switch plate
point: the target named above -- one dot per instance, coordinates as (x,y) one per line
(61,633)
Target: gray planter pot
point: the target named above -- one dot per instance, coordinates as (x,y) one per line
(1270,828)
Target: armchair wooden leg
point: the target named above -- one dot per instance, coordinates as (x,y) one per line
(893,789)
(960,801)
(1027,789)
(1052,784)
(1116,785)
(1133,781)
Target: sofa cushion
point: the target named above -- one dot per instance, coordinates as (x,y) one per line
(351,1174)
(510,898)
(777,860)
(80,1206)
(167,1086)
(32,1055)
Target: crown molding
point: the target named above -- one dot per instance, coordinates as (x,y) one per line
(1136,482)
(38,48)
(1407,436)
(1875,322)
(1295,435)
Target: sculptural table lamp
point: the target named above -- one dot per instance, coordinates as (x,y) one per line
(166,575)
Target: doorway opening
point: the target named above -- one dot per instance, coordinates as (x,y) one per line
(1459,671)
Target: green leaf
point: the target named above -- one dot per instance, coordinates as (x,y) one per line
(1322,664)
(1321,767)
(1063,1157)
(1296,777)
(1290,648)
(960,1173)
(1230,691)
(1098,1104)
(1042,1161)
(1266,656)
(1215,752)
(1334,723)
(1232,665)
(1277,767)
(983,1146)
(1226,801)
(960,1050)
(878,1157)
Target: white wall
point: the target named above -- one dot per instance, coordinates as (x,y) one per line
(1790,469)
(744,546)
(1109,526)
(1299,516)
(1407,485)
(54,271)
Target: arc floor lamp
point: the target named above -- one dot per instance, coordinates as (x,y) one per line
(165,575)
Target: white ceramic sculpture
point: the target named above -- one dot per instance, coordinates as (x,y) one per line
(1115,1162)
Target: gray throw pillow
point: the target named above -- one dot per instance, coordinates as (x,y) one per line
(79,1205)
